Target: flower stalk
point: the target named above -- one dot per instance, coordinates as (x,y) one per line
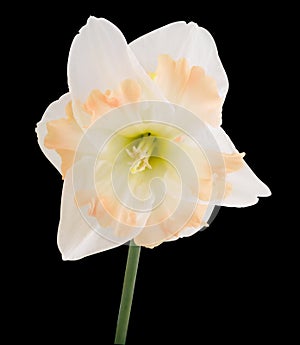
(127,293)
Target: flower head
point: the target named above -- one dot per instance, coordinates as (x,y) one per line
(138,139)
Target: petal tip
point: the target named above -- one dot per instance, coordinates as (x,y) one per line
(267,192)
(64,258)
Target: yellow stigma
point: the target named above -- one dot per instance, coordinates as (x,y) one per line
(141,154)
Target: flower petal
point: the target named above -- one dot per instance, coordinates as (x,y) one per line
(190,231)
(181,40)
(113,206)
(245,187)
(98,104)
(171,227)
(64,136)
(102,198)
(190,87)
(76,238)
(100,59)
(54,112)
(180,207)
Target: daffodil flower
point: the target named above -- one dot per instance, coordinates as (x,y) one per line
(138,140)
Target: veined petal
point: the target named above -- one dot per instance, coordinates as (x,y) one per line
(180,40)
(55,112)
(100,59)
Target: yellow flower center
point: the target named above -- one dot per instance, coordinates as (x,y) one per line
(141,153)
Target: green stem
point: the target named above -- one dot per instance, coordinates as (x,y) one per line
(127,293)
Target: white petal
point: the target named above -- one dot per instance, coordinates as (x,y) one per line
(86,225)
(224,142)
(55,111)
(181,40)
(101,59)
(76,237)
(208,218)
(246,186)
(180,205)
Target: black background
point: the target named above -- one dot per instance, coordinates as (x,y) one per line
(220,283)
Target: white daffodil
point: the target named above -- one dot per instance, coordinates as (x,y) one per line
(138,140)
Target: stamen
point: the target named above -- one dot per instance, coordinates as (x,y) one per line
(141,154)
